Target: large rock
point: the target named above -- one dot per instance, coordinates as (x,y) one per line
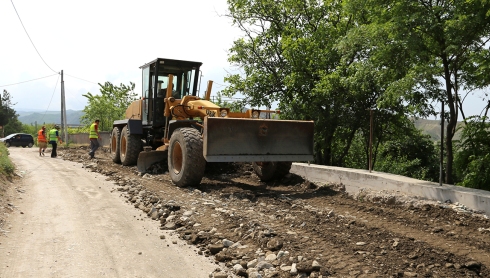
(215,248)
(274,244)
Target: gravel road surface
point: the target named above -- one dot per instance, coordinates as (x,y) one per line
(67,223)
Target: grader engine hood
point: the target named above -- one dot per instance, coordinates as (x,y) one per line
(249,140)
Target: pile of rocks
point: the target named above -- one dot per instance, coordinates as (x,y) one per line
(245,257)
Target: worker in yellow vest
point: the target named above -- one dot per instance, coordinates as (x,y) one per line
(94,138)
(54,138)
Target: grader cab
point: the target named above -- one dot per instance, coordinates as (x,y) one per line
(172,122)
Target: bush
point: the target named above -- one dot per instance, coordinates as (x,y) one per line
(412,154)
(472,161)
(478,173)
(6,166)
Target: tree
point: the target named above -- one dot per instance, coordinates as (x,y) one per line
(442,44)
(292,52)
(288,55)
(8,116)
(109,106)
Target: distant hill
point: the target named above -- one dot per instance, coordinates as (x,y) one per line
(29,117)
(433,128)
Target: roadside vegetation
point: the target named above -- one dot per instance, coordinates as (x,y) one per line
(109,105)
(364,68)
(6,166)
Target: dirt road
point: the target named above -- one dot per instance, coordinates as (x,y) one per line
(282,229)
(67,223)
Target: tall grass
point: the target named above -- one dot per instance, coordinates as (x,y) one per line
(6,166)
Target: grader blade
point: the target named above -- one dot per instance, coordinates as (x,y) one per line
(148,158)
(253,140)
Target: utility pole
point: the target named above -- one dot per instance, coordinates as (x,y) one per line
(370,140)
(441,162)
(62,103)
(64,127)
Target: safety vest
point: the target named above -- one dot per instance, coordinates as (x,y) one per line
(93,133)
(40,136)
(52,135)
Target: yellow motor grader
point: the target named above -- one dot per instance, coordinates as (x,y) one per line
(172,122)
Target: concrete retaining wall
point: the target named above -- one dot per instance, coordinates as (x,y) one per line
(82,138)
(355,179)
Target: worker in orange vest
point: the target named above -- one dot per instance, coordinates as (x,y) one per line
(41,140)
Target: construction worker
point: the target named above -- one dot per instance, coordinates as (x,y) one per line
(54,138)
(41,140)
(94,138)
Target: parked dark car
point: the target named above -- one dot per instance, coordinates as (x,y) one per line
(18,139)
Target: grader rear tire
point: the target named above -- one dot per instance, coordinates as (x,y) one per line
(186,163)
(130,147)
(115,145)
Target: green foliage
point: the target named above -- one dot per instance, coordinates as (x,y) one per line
(436,50)
(472,160)
(357,156)
(406,167)
(109,106)
(412,156)
(83,129)
(30,129)
(14,126)
(289,54)
(8,116)
(397,148)
(6,111)
(235,106)
(331,61)
(6,166)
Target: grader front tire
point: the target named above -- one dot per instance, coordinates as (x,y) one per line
(271,170)
(265,170)
(186,163)
(115,145)
(282,169)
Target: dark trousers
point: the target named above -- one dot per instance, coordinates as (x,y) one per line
(94,145)
(55,146)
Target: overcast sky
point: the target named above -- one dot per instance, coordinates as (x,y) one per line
(105,40)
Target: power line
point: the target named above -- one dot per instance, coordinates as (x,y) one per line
(30,37)
(219,85)
(27,81)
(81,79)
(56,85)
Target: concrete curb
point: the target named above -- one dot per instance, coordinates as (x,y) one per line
(356,179)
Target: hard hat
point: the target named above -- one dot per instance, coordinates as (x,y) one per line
(57,126)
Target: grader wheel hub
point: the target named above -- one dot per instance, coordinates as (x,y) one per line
(177,158)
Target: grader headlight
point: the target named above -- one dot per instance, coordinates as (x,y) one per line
(255,114)
(224,113)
